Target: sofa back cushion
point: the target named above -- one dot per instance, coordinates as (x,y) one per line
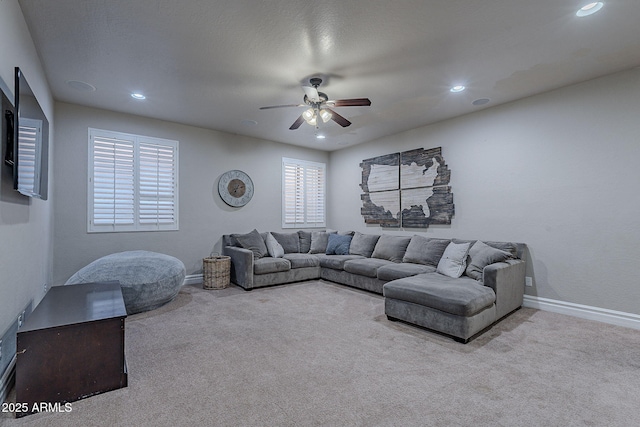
(510,247)
(363,244)
(252,241)
(290,242)
(424,250)
(481,255)
(305,241)
(391,248)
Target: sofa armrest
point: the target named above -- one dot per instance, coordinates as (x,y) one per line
(241,266)
(507,281)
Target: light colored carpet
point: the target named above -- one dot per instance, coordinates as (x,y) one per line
(321,354)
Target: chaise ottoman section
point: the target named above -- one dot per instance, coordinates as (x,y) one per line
(461,328)
(460,307)
(460,296)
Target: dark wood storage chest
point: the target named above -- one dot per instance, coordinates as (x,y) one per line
(72,345)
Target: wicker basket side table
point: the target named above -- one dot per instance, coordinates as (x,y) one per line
(215,272)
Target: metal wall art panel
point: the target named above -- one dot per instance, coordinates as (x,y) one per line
(408,189)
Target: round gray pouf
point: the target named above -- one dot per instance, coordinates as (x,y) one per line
(148,279)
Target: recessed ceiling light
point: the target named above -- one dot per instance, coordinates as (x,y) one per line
(481,101)
(590,9)
(247,122)
(137,95)
(320,136)
(457,88)
(81,86)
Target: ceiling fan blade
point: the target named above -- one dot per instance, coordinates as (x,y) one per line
(339,119)
(355,102)
(312,93)
(297,123)
(282,106)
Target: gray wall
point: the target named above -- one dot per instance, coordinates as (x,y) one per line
(25,223)
(558,171)
(204,155)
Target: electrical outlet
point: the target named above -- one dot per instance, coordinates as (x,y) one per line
(528,281)
(20,319)
(46,288)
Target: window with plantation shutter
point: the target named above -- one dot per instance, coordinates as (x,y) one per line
(303,194)
(133,182)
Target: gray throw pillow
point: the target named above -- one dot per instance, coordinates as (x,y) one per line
(338,244)
(482,255)
(290,242)
(254,242)
(305,241)
(274,248)
(454,260)
(391,248)
(319,240)
(424,250)
(363,244)
(504,246)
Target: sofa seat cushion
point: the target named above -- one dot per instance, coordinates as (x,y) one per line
(268,265)
(335,262)
(302,260)
(406,269)
(459,296)
(365,267)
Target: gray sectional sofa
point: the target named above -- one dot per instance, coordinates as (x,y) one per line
(455,287)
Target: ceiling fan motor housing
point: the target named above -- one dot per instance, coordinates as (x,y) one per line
(315,81)
(323,98)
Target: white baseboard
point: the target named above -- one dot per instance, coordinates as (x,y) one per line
(612,317)
(193,279)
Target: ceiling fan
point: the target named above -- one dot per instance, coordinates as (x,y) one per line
(319,106)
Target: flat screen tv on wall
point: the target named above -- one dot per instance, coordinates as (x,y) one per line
(7,127)
(30,142)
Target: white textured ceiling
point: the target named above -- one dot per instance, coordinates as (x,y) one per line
(214,63)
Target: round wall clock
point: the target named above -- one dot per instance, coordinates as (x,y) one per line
(235,188)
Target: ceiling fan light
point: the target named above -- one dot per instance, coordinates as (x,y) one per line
(325,115)
(309,116)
